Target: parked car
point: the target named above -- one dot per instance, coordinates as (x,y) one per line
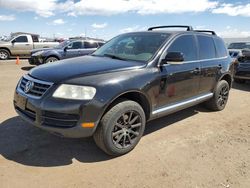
(239,45)
(21,45)
(66,49)
(134,78)
(242,68)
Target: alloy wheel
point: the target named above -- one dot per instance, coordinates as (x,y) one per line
(127,129)
(223,96)
(3,55)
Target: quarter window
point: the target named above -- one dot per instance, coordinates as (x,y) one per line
(220,48)
(186,45)
(206,47)
(21,39)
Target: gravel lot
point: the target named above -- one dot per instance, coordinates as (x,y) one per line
(192,148)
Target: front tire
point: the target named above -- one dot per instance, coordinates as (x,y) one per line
(220,98)
(121,128)
(51,59)
(4,54)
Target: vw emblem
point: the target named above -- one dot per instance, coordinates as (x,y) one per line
(28,86)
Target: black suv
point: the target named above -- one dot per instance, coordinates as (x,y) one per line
(133,78)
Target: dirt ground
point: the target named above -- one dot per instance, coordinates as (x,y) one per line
(193,148)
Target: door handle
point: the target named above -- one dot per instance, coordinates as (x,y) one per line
(27,44)
(196,71)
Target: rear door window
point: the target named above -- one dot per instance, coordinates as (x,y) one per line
(90,45)
(206,47)
(21,39)
(186,45)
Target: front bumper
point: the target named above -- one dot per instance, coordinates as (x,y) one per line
(36,60)
(60,117)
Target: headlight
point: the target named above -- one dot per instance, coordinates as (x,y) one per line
(66,91)
(38,53)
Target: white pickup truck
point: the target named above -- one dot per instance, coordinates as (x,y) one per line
(21,45)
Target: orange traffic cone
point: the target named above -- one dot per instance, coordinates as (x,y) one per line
(17,60)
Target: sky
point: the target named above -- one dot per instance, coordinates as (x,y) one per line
(108,18)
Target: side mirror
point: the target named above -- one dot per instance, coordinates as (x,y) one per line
(13,41)
(174,58)
(65,49)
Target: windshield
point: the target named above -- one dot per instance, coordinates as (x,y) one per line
(239,45)
(133,46)
(62,44)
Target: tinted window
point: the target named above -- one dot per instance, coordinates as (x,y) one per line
(220,48)
(90,45)
(186,45)
(76,45)
(35,38)
(206,47)
(21,39)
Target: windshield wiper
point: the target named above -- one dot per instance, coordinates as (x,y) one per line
(114,57)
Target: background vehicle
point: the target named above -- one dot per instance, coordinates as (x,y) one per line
(132,79)
(21,45)
(239,45)
(242,68)
(66,49)
(235,48)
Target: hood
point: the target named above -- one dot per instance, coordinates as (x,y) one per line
(41,49)
(81,66)
(4,43)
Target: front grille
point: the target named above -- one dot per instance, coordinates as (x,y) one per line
(38,88)
(60,120)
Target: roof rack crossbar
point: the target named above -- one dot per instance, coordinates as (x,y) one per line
(206,31)
(189,28)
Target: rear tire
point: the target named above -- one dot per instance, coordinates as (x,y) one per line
(121,128)
(4,54)
(51,59)
(219,100)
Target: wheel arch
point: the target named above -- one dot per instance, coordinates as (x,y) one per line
(52,55)
(134,95)
(227,77)
(4,48)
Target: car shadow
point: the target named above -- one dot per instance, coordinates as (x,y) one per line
(25,144)
(243,86)
(27,68)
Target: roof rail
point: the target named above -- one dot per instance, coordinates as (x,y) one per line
(206,31)
(189,28)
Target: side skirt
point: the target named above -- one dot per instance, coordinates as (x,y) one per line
(174,107)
